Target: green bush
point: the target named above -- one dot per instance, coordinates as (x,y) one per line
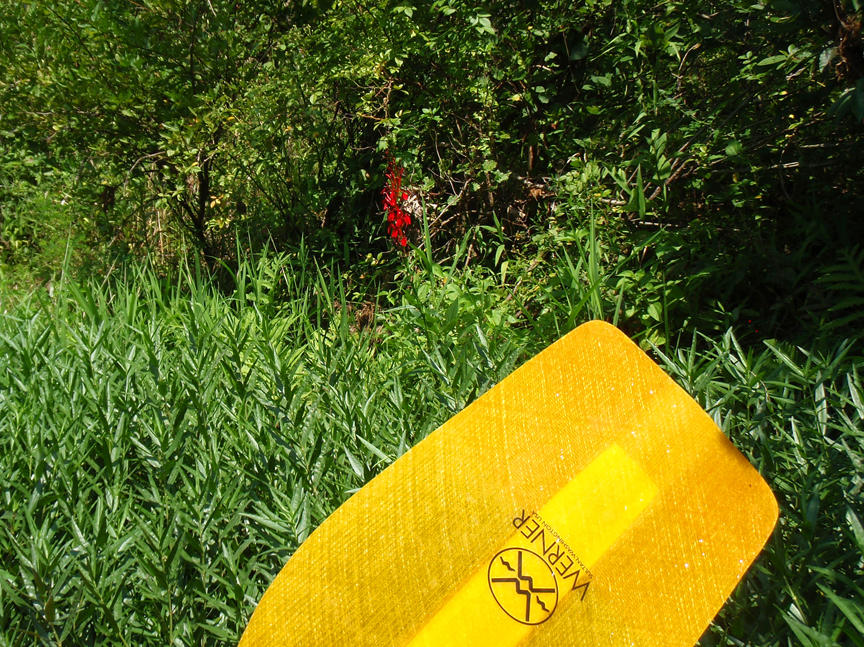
(194,121)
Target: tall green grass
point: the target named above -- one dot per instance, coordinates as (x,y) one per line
(799,416)
(166,445)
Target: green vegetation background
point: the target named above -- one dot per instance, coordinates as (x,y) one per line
(207,341)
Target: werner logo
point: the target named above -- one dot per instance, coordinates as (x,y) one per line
(537,568)
(534,571)
(523,585)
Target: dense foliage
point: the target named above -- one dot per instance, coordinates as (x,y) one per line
(166,446)
(692,172)
(163,127)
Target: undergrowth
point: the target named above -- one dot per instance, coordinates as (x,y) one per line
(166,445)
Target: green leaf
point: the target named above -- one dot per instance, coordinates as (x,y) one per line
(851,609)
(734,148)
(356,465)
(773,60)
(641,205)
(826,56)
(857,529)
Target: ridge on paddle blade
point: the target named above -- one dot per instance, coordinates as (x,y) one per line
(584,500)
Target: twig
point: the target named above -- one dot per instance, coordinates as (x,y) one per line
(680,76)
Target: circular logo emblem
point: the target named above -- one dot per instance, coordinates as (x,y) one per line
(523,585)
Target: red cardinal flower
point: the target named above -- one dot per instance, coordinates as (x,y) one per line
(393,194)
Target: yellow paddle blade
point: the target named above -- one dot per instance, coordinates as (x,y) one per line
(584,500)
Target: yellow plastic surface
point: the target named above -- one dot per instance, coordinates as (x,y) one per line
(584,500)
